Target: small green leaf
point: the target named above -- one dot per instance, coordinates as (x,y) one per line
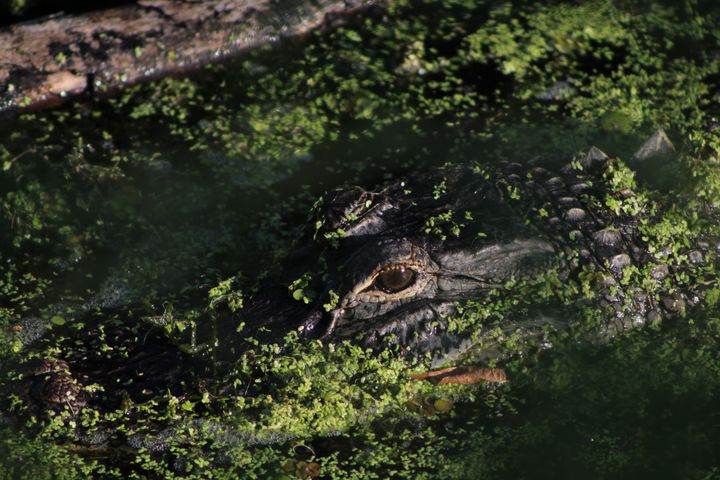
(442,405)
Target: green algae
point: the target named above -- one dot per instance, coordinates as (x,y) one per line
(464,75)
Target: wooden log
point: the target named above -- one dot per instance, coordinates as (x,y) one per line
(43,63)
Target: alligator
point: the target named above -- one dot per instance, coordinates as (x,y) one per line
(393,266)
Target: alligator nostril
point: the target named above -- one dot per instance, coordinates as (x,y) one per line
(310,326)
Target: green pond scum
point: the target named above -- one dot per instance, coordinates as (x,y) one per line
(179,197)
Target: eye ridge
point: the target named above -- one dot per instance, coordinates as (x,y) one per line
(395,278)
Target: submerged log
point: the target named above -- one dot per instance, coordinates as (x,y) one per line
(45,62)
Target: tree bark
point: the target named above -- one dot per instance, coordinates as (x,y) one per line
(43,63)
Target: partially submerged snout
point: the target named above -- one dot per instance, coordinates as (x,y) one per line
(393,265)
(402,291)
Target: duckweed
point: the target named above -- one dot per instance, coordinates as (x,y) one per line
(155,200)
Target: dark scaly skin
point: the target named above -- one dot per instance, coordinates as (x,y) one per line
(512,221)
(394,263)
(138,366)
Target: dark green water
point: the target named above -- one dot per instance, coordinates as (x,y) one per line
(156,197)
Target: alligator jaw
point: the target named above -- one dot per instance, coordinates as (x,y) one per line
(468,272)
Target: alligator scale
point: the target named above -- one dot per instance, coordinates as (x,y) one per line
(393,267)
(395,263)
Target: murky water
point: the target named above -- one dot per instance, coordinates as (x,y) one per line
(155,198)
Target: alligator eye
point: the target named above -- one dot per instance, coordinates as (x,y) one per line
(394,279)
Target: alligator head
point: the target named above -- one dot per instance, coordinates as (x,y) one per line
(392,264)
